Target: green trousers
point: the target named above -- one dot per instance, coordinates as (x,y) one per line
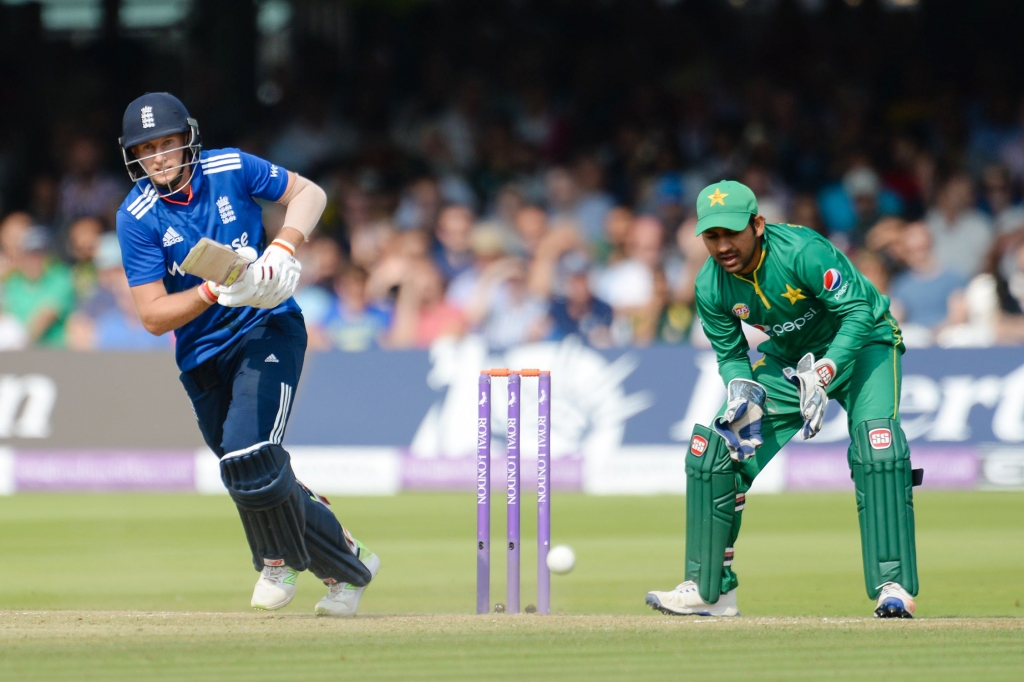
(868,389)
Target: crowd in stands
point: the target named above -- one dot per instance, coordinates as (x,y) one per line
(523,208)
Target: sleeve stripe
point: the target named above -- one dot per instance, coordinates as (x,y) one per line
(143,208)
(221,169)
(145,195)
(208,159)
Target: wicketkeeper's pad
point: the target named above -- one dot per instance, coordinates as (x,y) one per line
(880,463)
(271,503)
(710,509)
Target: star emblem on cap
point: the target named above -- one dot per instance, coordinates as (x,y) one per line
(717,197)
(792,295)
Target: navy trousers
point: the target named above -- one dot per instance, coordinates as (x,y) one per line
(243,396)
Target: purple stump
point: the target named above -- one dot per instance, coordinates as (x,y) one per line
(512,501)
(543,491)
(483,495)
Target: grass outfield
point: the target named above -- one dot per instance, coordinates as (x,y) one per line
(157,587)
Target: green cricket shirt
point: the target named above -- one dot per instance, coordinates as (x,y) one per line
(805,295)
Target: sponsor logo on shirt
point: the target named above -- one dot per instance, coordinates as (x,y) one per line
(763,329)
(833,279)
(787,327)
(880,439)
(171,237)
(698,445)
(741,310)
(273,171)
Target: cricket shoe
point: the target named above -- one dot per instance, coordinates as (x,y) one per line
(275,588)
(685,601)
(894,602)
(343,598)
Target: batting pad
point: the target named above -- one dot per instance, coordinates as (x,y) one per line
(333,553)
(880,461)
(710,510)
(271,503)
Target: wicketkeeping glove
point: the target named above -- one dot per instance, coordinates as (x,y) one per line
(276,274)
(812,378)
(740,425)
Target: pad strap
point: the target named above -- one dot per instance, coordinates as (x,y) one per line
(884,480)
(711,501)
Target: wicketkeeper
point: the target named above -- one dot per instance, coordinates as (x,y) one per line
(830,337)
(240,347)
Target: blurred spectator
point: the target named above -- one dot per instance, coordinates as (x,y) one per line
(872,266)
(962,234)
(629,283)
(12,232)
(612,247)
(594,203)
(578,312)
(312,137)
(487,243)
(87,189)
(662,320)
(998,198)
(805,212)
(503,309)
(531,224)
(419,205)
(108,321)
(421,313)
(923,295)
(451,253)
(854,205)
(353,323)
(83,240)
(39,292)
(321,260)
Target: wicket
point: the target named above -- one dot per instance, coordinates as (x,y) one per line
(512,500)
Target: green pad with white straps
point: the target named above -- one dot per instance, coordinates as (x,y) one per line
(884,480)
(710,510)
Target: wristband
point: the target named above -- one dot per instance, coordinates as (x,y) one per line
(206,293)
(286,246)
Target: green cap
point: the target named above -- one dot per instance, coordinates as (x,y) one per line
(727,204)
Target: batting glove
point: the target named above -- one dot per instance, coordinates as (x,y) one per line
(276,274)
(241,292)
(740,425)
(811,378)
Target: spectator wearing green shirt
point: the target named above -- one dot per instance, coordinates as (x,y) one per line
(39,291)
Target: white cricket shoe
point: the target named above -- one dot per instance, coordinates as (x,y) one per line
(685,601)
(275,588)
(342,598)
(894,602)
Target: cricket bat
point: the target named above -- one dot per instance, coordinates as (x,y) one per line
(215,262)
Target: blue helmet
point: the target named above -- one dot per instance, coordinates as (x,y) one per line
(155,115)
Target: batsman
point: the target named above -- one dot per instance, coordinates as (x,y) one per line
(830,337)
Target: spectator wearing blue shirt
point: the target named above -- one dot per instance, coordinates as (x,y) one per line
(579,313)
(352,323)
(923,295)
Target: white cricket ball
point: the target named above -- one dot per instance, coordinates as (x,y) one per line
(561,559)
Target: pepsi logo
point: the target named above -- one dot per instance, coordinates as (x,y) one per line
(698,445)
(833,280)
(880,439)
(741,310)
(761,328)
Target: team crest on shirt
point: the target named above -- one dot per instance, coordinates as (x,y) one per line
(741,310)
(833,279)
